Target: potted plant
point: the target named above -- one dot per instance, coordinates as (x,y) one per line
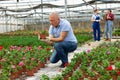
(79,74)
(91,74)
(73,77)
(105,77)
(43,34)
(105,63)
(4,77)
(45,77)
(29,70)
(58,77)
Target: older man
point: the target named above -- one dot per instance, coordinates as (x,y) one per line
(62,34)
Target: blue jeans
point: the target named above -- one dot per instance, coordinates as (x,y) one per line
(108,29)
(61,50)
(96,31)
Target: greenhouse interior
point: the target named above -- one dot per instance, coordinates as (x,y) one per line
(35,32)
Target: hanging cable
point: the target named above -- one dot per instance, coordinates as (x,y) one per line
(88,3)
(17,0)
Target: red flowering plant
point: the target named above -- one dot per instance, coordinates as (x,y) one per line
(118,73)
(88,51)
(49,50)
(12,68)
(111,67)
(117,64)
(1,47)
(31,65)
(3,62)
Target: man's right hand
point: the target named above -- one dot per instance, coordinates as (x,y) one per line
(47,41)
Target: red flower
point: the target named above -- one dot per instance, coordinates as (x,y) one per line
(3,60)
(23,58)
(88,50)
(48,49)
(13,66)
(32,59)
(118,72)
(19,48)
(12,47)
(29,48)
(112,67)
(21,63)
(1,47)
(39,47)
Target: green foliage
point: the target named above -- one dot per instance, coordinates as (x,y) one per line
(83,38)
(105,77)
(45,77)
(7,41)
(57,77)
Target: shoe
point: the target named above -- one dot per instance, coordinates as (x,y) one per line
(109,39)
(106,39)
(64,65)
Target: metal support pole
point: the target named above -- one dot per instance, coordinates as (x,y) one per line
(5,21)
(65,9)
(42,13)
(16,17)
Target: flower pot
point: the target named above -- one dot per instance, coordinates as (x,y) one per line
(69,74)
(66,77)
(29,72)
(11,78)
(23,69)
(19,72)
(14,75)
(42,36)
(114,77)
(81,79)
(35,69)
(0,66)
(41,65)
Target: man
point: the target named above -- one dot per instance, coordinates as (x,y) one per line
(62,34)
(109,25)
(96,25)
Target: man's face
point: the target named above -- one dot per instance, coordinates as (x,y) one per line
(54,21)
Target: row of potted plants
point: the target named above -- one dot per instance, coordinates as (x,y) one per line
(7,41)
(18,60)
(25,32)
(22,40)
(97,64)
(116,32)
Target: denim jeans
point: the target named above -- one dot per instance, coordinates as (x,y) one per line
(96,31)
(108,29)
(61,50)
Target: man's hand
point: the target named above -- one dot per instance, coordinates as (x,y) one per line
(47,41)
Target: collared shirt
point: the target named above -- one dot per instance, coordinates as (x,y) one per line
(110,15)
(64,25)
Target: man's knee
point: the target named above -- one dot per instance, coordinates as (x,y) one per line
(57,45)
(52,61)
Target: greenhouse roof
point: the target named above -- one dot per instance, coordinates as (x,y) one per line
(38,9)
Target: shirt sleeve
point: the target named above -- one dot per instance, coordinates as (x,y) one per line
(112,17)
(65,26)
(50,31)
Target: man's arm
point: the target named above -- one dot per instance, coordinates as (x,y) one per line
(59,39)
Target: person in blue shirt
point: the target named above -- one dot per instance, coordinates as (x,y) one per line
(61,33)
(96,25)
